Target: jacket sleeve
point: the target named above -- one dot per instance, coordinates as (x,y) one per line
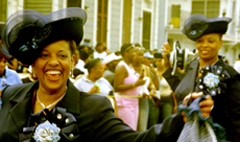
(108,127)
(233,109)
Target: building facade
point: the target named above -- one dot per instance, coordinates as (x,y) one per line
(147,22)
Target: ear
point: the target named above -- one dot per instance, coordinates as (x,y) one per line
(72,61)
(220,44)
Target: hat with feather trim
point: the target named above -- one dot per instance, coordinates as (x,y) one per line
(27,32)
(198,25)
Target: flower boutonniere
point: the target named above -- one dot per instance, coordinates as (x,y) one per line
(47,132)
(212,81)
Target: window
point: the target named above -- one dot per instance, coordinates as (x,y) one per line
(44,7)
(209,8)
(102,18)
(146,29)
(74,3)
(175,15)
(127,16)
(3,11)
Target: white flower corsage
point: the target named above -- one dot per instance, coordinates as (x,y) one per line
(47,132)
(211,80)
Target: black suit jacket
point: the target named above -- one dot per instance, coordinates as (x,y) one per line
(94,114)
(226,109)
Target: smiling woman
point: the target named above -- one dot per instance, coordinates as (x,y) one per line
(207,33)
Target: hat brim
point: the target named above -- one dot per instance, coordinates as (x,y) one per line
(198,25)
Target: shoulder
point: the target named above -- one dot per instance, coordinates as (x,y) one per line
(16,89)
(230,70)
(11,72)
(104,80)
(81,80)
(120,67)
(97,103)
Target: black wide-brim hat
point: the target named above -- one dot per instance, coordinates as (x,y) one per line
(27,32)
(198,25)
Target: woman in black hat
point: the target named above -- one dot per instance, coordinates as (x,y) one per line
(51,108)
(207,33)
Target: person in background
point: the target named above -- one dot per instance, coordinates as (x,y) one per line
(94,82)
(82,60)
(127,82)
(7,76)
(12,63)
(77,64)
(236,65)
(106,50)
(118,53)
(111,62)
(207,33)
(32,76)
(84,47)
(140,68)
(167,104)
(99,51)
(148,61)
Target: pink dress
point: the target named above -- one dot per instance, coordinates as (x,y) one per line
(128,108)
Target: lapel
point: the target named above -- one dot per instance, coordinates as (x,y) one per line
(22,105)
(192,74)
(187,84)
(71,101)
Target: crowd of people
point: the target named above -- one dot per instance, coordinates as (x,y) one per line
(72,83)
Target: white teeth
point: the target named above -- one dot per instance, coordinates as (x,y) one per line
(204,51)
(53,72)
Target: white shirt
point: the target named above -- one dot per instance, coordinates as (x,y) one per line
(99,55)
(85,85)
(237,66)
(80,65)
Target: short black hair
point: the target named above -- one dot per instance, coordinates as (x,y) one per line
(124,47)
(91,64)
(83,54)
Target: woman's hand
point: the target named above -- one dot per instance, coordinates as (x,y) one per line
(95,89)
(205,105)
(140,82)
(166,50)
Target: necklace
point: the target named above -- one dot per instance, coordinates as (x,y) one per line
(51,103)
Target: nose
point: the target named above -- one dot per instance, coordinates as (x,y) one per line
(53,61)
